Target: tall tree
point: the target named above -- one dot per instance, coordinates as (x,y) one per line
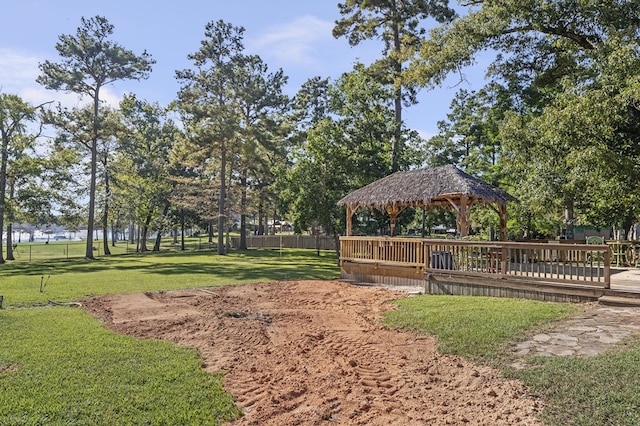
(144,148)
(40,187)
(90,61)
(262,106)
(15,116)
(207,103)
(470,137)
(570,67)
(111,128)
(318,179)
(400,25)
(347,149)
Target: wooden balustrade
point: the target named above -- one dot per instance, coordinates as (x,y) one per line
(405,251)
(563,263)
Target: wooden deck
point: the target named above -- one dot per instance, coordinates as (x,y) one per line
(558,272)
(625,279)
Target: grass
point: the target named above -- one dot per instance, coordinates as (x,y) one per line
(38,251)
(59,366)
(593,391)
(475,327)
(599,390)
(67,280)
(63,249)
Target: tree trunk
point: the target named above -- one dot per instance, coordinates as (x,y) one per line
(396,146)
(221,202)
(94,170)
(10,224)
(243,212)
(4,157)
(10,242)
(105,230)
(145,233)
(627,225)
(182,229)
(275,213)
(156,245)
(132,232)
(568,217)
(260,230)
(336,241)
(105,214)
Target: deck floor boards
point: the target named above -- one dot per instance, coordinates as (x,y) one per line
(625,279)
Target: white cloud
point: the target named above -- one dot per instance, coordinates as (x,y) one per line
(18,73)
(37,95)
(17,70)
(295,42)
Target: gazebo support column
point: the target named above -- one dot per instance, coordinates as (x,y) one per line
(393,212)
(463,214)
(350,212)
(503,222)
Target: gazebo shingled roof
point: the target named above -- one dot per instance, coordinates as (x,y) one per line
(444,185)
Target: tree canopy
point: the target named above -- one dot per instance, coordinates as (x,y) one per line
(557,124)
(89,61)
(564,80)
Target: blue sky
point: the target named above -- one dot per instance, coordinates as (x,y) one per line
(294,35)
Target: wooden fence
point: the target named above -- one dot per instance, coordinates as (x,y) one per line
(287,241)
(587,265)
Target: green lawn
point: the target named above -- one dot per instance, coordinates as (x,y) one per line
(38,251)
(59,366)
(474,327)
(66,280)
(593,391)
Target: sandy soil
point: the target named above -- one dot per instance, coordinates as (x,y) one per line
(314,352)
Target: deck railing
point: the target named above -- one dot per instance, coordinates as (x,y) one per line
(549,262)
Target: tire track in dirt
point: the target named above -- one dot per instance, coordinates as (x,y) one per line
(314,352)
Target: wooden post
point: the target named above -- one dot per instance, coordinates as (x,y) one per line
(393,214)
(393,211)
(463,216)
(503,222)
(350,213)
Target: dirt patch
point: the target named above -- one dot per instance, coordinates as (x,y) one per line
(314,352)
(8,368)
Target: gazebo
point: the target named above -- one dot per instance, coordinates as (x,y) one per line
(425,188)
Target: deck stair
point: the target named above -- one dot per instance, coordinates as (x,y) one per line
(620,298)
(411,290)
